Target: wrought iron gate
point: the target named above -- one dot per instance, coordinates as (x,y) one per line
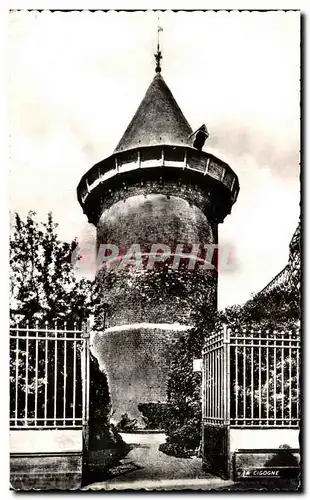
(49,376)
(215,404)
(250,380)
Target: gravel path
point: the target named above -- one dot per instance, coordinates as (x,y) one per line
(147,467)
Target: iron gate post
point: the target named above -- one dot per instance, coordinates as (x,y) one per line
(86,382)
(203,399)
(226,382)
(226,342)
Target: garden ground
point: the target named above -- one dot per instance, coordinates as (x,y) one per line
(147,467)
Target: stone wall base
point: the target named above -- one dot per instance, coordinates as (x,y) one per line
(46,471)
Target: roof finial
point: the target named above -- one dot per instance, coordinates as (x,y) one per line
(158,55)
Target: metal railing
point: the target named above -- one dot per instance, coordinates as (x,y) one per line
(251,378)
(48,375)
(215,371)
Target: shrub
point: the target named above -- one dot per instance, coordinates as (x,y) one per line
(154,414)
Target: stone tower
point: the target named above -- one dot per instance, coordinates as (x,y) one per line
(157,197)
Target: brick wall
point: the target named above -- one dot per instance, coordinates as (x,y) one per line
(193,193)
(151,296)
(136,362)
(170,213)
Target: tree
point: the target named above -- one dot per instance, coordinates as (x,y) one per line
(279,307)
(43,290)
(42,279)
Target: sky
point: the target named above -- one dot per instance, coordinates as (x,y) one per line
(77,78)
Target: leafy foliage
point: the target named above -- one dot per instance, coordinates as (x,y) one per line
(153,414)
(179,290)
(277,308)
(182,422)
(182,419)
(44,289)
(42,279)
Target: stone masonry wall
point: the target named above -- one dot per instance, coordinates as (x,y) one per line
(136,360)
(194,193)
(137,363)
(46,471)
(158,295)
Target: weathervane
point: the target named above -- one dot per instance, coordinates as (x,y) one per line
(158,55)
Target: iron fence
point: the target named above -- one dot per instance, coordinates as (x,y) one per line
(48,375)
(251,378)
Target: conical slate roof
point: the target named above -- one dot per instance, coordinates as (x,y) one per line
(158,120)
